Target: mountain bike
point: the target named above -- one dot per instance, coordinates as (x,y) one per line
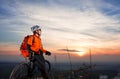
(27,70)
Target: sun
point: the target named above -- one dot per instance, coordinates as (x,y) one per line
(81,53)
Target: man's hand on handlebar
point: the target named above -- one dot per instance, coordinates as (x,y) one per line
(48,53)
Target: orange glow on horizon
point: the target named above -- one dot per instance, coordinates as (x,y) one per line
(81,53)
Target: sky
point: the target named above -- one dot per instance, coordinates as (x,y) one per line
(79,26)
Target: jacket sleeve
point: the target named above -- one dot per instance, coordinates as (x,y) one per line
(42,49)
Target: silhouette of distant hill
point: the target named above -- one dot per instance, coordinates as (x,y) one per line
(100,68)
(6,68)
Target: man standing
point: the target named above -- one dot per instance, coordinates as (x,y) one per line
(34,46)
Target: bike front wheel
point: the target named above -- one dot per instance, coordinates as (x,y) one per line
(47,65)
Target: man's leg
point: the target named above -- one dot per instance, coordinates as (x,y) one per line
(40,62)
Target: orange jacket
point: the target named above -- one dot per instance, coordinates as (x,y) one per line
(37,44)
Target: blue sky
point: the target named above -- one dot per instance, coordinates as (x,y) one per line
(75,23)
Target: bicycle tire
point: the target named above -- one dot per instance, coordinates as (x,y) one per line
(20,72)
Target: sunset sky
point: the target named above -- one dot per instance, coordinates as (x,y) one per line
(80,26)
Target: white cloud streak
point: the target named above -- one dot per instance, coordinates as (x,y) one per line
(77,20)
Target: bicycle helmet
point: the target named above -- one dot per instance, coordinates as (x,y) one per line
(35,27)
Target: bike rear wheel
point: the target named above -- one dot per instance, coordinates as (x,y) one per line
(20,72)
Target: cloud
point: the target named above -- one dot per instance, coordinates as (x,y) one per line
(69,50)
(78,23)
(108,7)
(112,30)
(65,20)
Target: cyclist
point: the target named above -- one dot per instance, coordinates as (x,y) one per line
(34,46)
